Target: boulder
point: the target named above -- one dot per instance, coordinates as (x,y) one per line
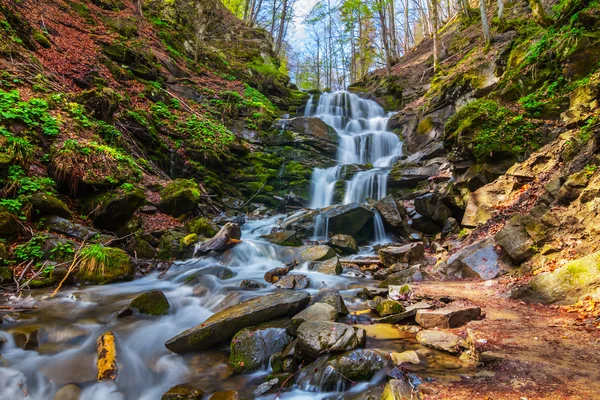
(409,312)
(46,204)
(111,210)
(283,238)
(350,219)
(67,228)
(515,240)
(293,282)
(332,297)
(426,225)
(318,253)
(319,337)
(68,392)
(441,340)
(408,254)
(183,392)
(328,267)
(153,302)
(572,187)
(251,348)
(273,275)
(391,212)
(179,197)
(226,395)
(226,323)
(397,389)
(479,260)
(116,265)
(6,275)
(229,235)
(344,244)
(315,312)
(202,226)
(480,206)
(309,131)
(431,206)
(385,307)
(8,225)
(408,176)
(568,284)
(448,317)
(411,274)
(406,357)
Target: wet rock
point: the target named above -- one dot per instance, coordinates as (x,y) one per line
(107,357)
(283,238)
(226,395)
(370,292)
(397,389)
(441,340)
(226,238)
(372,393)
(315,312)
(332,297)
(116,267)
(409,254)
(26,339)
(409,312)
(46,204)
(318,253)
(391,212)
(345,244)
(266,386)
(70,229)
(328,267)
(447,317)
(412,274)
(385,307)
(250,284)
(224,324)
(309,131)
(183,392)
(478,260)
(350,219)
(179,197)
(293,282)
(68,392)
(111,210)
(219,271)
(431,206)
(319,337)
(450,226)
(515,240)
(409,176)
(153,302)
(251,348)
(352,366)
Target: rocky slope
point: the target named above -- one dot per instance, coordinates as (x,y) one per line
(501,148)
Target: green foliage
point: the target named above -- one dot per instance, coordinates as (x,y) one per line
(161,111)
(29,185)
(18,148)
(32,250)
(206,133)
(590,170)
(13,206)
(34,113)
(486,129)
(61,251)
(127,187)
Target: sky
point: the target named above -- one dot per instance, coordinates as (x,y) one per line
(298,35)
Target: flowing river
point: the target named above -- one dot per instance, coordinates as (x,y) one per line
(67,326)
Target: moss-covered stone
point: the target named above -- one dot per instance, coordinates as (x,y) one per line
(8,224)
(170,245)
(6,275)
(46,204)
(385,307)
(183,392)
(111,210)
(202,226)
(179,197)
(41,39)
(189,240)
(153,302)
(114,265)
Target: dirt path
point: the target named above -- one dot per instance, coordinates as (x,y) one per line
(547,356)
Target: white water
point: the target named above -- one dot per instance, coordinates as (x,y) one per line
(363,139)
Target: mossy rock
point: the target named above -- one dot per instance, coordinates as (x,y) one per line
(117,267)
(189,240)
(111,210)
(318,253)
(202,226)
(126,27)
(179,197)
(6,275)
(140,248)
(183,392)
(153,302)
(8,224)
(170,245)
(41,39)
(385,307)
(46,204)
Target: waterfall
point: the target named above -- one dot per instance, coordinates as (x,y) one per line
(363,139)
(380,236)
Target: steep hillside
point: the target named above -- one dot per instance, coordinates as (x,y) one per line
(504,136)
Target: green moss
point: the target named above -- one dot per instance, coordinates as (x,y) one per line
(41,39)
(202,226)
(189,240)
(152,303)
(425,125)
(100,265)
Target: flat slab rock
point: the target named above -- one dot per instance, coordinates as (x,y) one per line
(225,324)
(441,340)
(409,312)
(447,317)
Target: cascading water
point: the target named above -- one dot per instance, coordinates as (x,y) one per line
(363,139)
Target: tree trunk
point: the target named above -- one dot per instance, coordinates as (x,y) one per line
(434,22)
(501,13)
(406,28)
(484,22)
(279,41)
(273,17)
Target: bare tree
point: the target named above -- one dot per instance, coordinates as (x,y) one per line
(484,22)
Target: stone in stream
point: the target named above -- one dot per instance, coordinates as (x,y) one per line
(397,389)
(226,395)
(441,340)
(293,282)
(26,338)
(283,238)
(372,292)
(250,284)
(409,312)
(153,302)
(447,317)
(408,254)
(183,392)
(350,219)
(327,267)
(318,253)
(411,274)
(344,244)
(226,323)
(273,275)
(392,213)
(107,357)
(406,357)
(251,348)
(385,307)
(315,312)
(319,337)
(332,297)
(329,373)
(68,392)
